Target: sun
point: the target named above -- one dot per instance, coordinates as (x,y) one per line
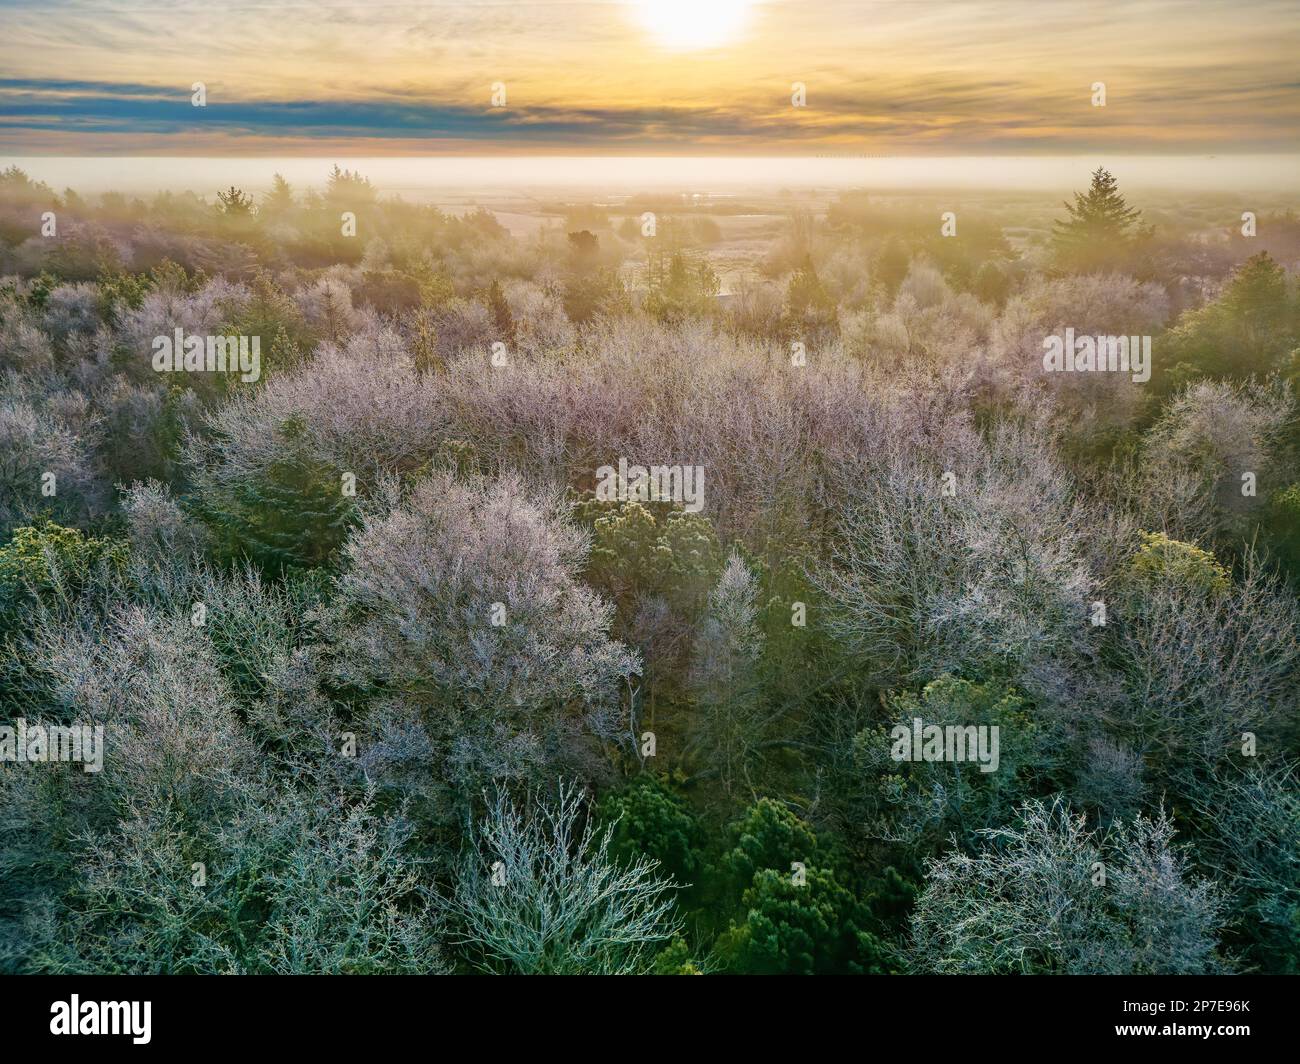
(690,25)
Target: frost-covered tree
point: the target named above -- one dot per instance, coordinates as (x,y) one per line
(157,525)
(44,467)
(540,893)
(383,420)
(920,803)
(980,565)
(303,883)
(1202,658)
(463,616)
(1214,457)
(1048,896)
(1253,842)
(728,720)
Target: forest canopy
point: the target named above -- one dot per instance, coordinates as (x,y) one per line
(392,678)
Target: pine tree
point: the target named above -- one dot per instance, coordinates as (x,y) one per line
(806,293)
(424,345)
(683,290)
(892,264)
(295,514)
(1257,296)
(272,315)
(501,316)
(809,309)
(348,189)
(992,284)
(1100,223)
(1251,329)
(584,250)
(589,287)
(724,676)
(280,200)
(783,926)
(650,819)
(235,202)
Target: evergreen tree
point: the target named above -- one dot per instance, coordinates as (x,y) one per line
(650,819)
(424,345)
(280,200)
(295,514)
(584,247)
(347,189)
(809,308)
(589,288)
(501,316)
(892,264)
(729,713)
(813,926)
(234,203)
(992,284)
(683,290)
(1249,330)
(794,915)
(272,315)
(768,836)
(651,548)
(1100,225)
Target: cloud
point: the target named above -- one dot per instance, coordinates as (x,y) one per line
(887,76)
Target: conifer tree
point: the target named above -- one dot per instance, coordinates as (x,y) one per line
(892,264)
(682,290)
(809,308)
(348,189)
(235,202)
(1100,223)
(501,316)
(1250,329)
(295,514)
(280,200)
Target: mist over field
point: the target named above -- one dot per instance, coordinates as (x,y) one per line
(651,516)
(424,179)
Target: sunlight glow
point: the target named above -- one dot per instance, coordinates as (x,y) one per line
(690,25)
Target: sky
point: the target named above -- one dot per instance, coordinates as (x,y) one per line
(649,77)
